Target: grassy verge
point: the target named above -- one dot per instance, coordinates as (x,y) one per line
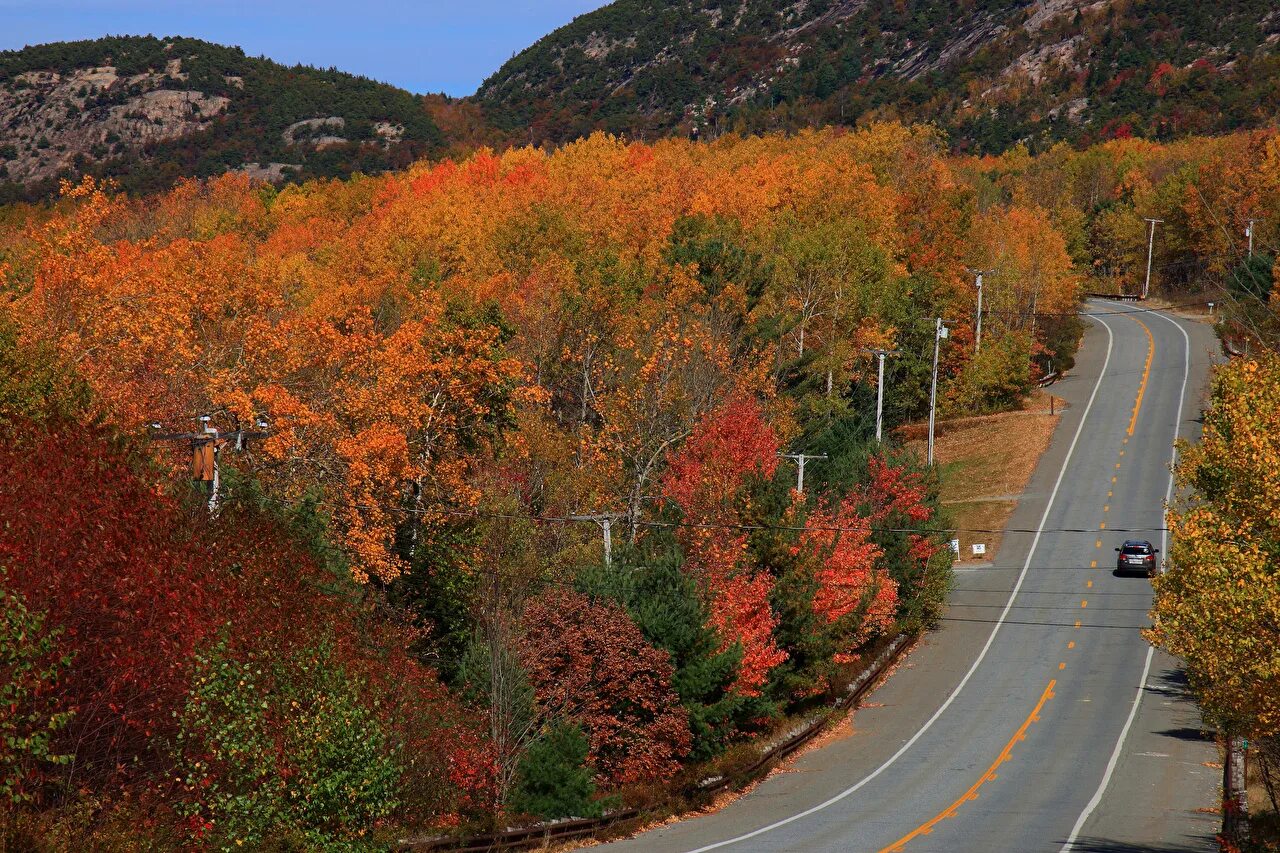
(985,463)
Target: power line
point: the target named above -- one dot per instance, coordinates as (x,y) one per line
(692,525)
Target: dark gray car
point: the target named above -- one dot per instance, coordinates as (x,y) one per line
(1137,556)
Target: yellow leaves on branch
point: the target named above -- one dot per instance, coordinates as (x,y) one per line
(1219,604)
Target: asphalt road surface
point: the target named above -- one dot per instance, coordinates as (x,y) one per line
(1036,718)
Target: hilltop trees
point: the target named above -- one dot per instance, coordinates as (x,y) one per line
(460,365)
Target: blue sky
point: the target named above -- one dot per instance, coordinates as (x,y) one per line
(427,46)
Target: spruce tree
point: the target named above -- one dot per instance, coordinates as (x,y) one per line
(553,780)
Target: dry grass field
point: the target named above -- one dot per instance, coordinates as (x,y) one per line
(985,463)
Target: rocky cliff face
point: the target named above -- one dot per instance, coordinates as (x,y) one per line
(990,72)
(51,120)
(147,111)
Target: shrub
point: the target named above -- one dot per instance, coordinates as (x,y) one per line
(553,779)
(29,670)
(588,661)
(997,379)
(280,747)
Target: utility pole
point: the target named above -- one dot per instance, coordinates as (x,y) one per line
(880,354)
(1248,232)
(1151,241)
(605,520)
(801,459)
(977,334)
(939,332)
(206,448)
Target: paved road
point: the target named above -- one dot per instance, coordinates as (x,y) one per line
(1036,718)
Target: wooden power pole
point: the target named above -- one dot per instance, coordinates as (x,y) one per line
(206,447)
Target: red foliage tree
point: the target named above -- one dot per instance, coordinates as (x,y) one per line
(894,491)
(849,584)
(706,479)
(589,660)
(113,565)
(896,497)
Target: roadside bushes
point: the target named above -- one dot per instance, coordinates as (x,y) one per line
(997,379)
(588,661)
(30,665)
(280,746)
(554,778)
(144,642)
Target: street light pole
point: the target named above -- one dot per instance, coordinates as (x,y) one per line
(880,354)
(1151,241)
(939,332)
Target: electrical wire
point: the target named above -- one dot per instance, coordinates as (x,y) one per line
(536,518)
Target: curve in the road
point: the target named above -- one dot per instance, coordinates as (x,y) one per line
(1102,374)
(1096,799)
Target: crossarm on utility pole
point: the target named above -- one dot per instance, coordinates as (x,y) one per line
(800,460)
(605,520)
(206,446)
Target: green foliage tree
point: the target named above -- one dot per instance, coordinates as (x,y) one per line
(997,378)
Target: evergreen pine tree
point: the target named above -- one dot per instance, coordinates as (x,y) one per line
(553,780)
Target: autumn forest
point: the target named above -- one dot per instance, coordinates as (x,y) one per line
(397,614)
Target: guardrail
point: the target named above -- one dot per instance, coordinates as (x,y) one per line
(540,835)
(1123,297)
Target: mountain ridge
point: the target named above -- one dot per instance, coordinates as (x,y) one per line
(991,73)
(146,111)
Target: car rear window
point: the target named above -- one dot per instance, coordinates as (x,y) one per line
(1136,549)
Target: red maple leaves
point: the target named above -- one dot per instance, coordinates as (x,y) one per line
(706,479)
(589,661)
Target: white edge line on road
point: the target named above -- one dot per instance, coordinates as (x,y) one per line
(982,654)
(1146,667)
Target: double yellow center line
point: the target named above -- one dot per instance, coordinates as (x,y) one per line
(1005,754)
(1146,374)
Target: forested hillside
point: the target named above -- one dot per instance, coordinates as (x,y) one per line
(453,365)
(148,111)
(990,73)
